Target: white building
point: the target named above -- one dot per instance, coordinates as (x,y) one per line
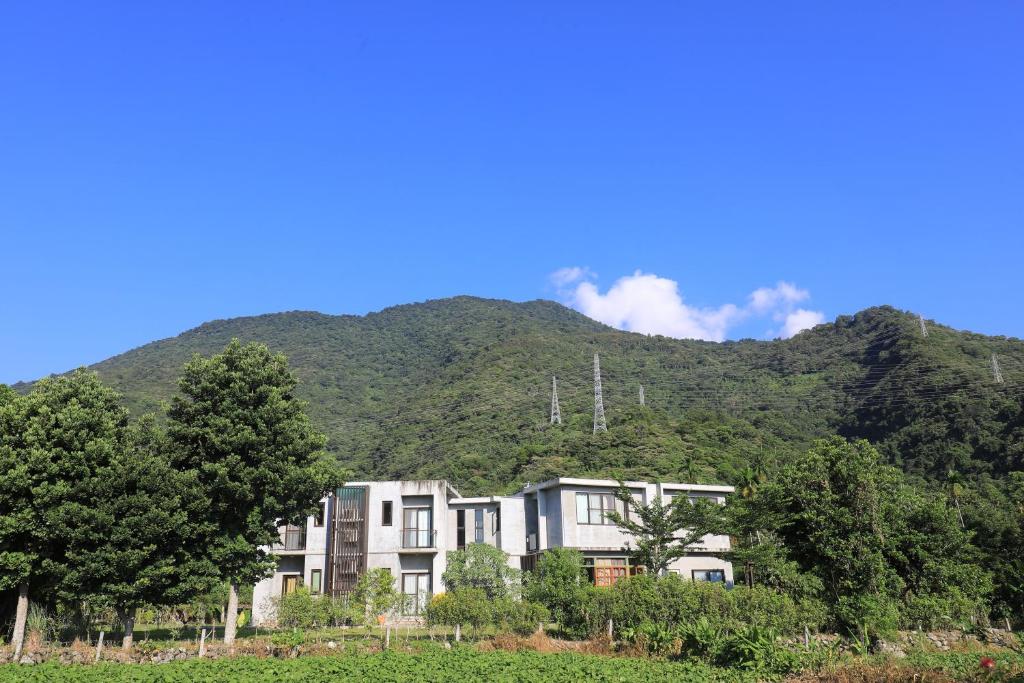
(408,527)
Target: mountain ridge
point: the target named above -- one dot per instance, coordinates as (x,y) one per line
(460,387)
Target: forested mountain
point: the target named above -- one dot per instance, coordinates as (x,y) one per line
(460,388)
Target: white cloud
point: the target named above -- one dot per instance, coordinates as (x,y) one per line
(563,277)
(799,320)
(646,303)
(768,299)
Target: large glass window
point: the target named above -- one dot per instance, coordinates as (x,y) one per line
(478,523)
(315,581)
(416,589)
(460,529)
(593,508)
(417,532)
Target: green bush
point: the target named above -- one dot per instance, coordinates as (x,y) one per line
(463,607)
(519,616)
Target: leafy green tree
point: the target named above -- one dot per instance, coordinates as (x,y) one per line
(465,606)
(560,584)
(663,532)
(873,542)
(132,533)
(485,567)
(50,444)
(236,422)
(375,594)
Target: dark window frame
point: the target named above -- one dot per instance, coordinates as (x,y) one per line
(694,572)
(387,513)
(460,529)
(478,525)
(600,508)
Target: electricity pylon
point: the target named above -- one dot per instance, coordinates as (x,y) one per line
(998,376)
(924,328)
(641,394)
(556,411)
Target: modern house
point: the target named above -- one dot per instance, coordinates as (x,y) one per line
(408,527)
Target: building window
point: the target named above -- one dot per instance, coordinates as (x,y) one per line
(478,522)
(290,582)
(712,575)
(315,581)
(606,571)
(385,513)
(417,531)
(318,519)
(497,520)
(416,589)
(593,508)
(460,529)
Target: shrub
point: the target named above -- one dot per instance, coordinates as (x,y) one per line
(559,584)
(464,607)
(519,616)
(484,567)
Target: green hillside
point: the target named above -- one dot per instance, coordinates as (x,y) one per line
(460,388)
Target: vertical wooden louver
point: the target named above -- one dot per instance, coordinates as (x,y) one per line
(346,547)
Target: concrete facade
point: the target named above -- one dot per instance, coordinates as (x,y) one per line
(425,525)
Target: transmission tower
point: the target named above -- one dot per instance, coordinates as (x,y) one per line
(556,411)
(995,370)
(924,328)
(599,424)
(641,394)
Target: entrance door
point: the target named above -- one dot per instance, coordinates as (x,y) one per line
(416,587)
(289,583)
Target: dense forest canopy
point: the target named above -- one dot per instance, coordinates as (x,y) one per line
(460,388)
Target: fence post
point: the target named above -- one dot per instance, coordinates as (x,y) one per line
(807,637)
(1007,620)
(99,646)
(387,637)
(458,632)
(611,629)
(202,643)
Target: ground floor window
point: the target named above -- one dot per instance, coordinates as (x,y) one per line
(416,588)
(290,582)
(606,571)
(315,581)
(712,575)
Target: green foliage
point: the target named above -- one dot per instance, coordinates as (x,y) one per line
(374,595)
(461,607)
(560,584)
(882,552)
(519,616)
(662,532)
(237,423)
(670,601)
(459,664)
(485,567)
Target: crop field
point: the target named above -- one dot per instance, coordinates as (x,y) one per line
(461,664)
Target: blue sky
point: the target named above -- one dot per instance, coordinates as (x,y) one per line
(164,164)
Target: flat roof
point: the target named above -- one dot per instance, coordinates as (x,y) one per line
(571,481)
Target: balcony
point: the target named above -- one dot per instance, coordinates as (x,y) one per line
(292,539)
(419,539)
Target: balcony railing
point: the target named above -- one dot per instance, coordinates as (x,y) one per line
(292,539)
(419,538)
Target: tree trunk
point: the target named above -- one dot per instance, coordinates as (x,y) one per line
(231,620)
(128,621)
(21,616)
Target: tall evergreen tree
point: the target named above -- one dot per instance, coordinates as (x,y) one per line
(237,423)
(136,535)
(50,441)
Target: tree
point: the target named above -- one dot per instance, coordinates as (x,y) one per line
(375,594)
(560,584)
(876,545)
(236,422)
(50,443)
(132,536)
(485,567)
(664,532)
